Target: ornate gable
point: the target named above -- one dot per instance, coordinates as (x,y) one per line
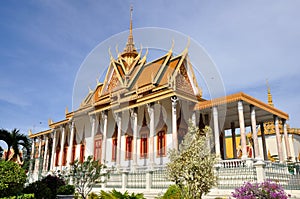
(182,80)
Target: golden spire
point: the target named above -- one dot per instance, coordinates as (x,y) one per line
(130,48)
(130,52)
(270,100)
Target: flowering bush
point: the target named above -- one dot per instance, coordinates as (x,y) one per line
(267,190)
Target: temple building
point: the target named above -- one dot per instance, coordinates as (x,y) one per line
(142,109)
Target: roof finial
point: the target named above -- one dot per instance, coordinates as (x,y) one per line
(130,27)
(130,48)
(129,53)
(270,100)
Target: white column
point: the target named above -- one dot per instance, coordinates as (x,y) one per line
(254,133)
(135,134)
(53,154)
(93,123)
(119,122)
(278,139)
(286,140)
(70,149)
(32,158)
(174,123)
(45,165)
(62,144)
(242,129)
(104,138)
(37,162)
(194,118)
(152,132)
(216,132)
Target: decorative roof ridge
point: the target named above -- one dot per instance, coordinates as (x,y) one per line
(162,69)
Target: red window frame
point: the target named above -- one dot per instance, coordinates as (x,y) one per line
(144,146)
(65,152)
(114,149)
(161,143)
(73,153)
(57,156)
(128,148)
(82,151)
(97,149)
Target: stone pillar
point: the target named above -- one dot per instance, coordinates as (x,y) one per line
(254,133)
(233,140)
(149,180)
(62,144)
(70,149)
(104,138)
(124,179)
(216,132)
(242,129)
(260,171)
(278,139)
(45,165)
(152,132)
(194,118)
(119,123)
(174,123)
(135,134)
(32,157)
(263,140)
(38,163)
(93,124)
(286,140)
(53,156)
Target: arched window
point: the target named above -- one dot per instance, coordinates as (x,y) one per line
(128,152)
(161,143)
(98,149)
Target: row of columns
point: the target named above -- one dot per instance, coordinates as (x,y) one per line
(257,154)
(104,116)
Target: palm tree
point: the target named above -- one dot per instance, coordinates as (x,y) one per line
(14,140)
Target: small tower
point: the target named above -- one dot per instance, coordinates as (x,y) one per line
(129,52)
(270,99)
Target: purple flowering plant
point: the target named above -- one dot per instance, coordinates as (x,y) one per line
(264,190)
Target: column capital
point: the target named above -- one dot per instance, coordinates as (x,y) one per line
(118,116)
(240,105)
(133,112)
(276,119)
(174,100)
(104,114)
(150,108)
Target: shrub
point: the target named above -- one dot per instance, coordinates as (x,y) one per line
(93,195)
(40,190)
(267,189)
(12,179)
(173,192)
(66,190)
(53,183)
(114,194)
(23,196)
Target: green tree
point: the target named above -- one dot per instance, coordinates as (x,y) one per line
(14,140)
(84,175)
(191,167)
(12,179)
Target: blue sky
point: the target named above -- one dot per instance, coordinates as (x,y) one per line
(44,42)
